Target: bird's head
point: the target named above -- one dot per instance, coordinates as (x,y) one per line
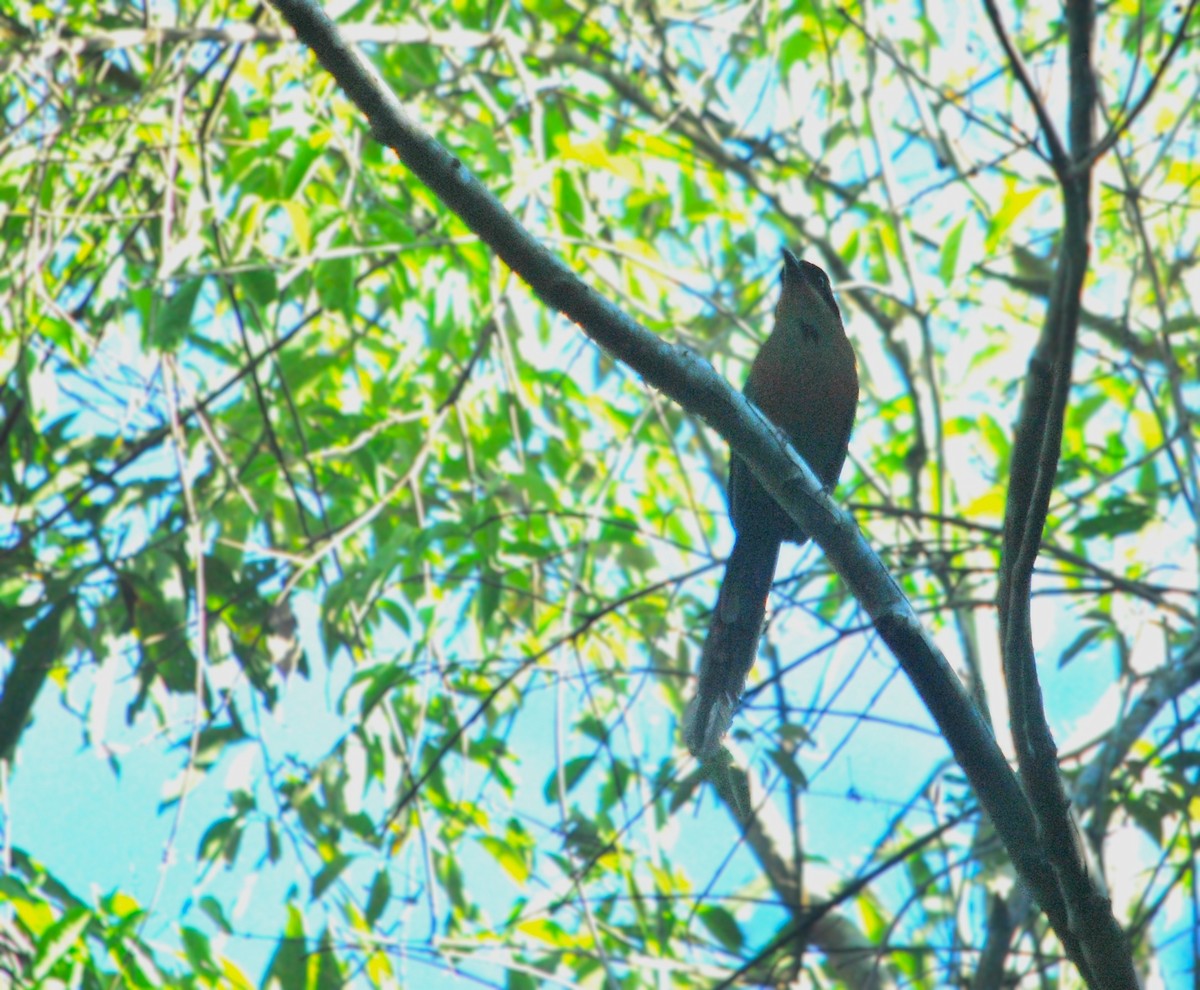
(806,305)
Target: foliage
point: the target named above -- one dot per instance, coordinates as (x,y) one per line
(407,579)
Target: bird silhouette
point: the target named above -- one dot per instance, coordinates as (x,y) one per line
(805,380)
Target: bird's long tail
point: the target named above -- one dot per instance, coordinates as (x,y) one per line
(732,642)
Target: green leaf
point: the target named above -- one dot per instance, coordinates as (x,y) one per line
(174,317)
(298,168)
(288,968)
(24,679)
(328,874)
(1015,202)
(221,839)
(379,897)
(60,939)
(325,970)
(198,950)
(487,599)
(334,280)
(260,286)
(512,860)
(212,907)
(1118,516)
(723,926)
(948,264)
(573,771)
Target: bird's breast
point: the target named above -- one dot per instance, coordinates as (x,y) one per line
(810,392)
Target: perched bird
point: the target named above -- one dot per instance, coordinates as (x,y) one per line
(806,382)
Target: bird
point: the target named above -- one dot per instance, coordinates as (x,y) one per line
(805,380)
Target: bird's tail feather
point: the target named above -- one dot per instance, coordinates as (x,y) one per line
(732,642)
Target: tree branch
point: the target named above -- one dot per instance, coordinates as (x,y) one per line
(690,381)
(1036,454)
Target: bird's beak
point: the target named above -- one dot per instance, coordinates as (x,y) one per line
(791,267)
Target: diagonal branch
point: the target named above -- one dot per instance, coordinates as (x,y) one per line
(692,382)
